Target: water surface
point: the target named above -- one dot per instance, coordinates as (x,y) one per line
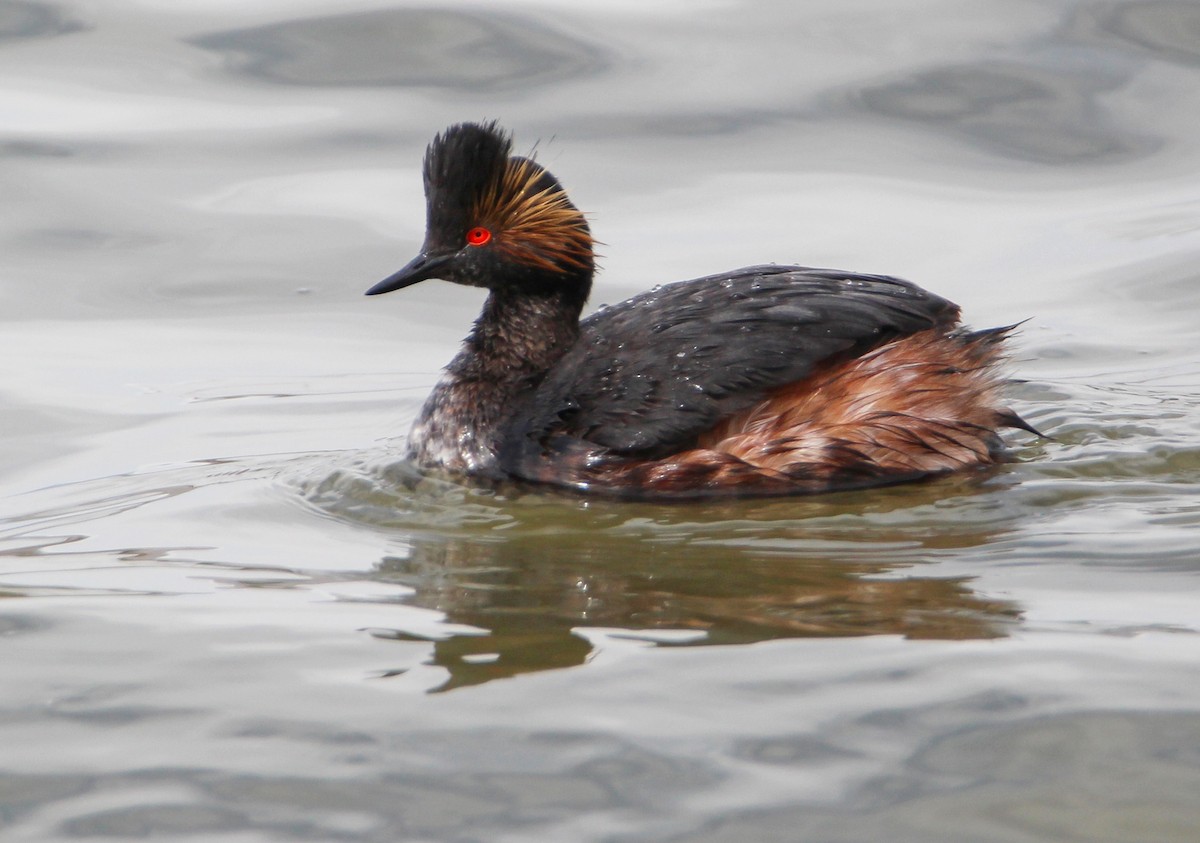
(230,611)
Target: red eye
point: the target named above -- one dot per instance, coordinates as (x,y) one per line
(478,236)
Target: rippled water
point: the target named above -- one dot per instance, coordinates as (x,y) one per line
(231,612)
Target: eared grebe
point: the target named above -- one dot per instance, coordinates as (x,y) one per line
(765,380)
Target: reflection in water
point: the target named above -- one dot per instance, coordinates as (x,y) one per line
(534,572)
(471,52)
(529,596)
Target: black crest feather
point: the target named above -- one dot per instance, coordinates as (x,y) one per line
(463,163)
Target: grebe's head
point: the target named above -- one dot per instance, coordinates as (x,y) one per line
(495,220)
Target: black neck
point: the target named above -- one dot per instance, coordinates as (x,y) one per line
(520,333)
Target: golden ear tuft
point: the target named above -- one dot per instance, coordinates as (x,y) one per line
(536,223)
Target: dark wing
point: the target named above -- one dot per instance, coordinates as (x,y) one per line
(647,376)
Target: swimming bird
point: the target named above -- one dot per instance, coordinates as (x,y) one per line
(765,380)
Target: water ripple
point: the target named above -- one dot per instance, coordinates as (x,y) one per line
(436,48)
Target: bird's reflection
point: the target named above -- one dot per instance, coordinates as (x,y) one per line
(734,575)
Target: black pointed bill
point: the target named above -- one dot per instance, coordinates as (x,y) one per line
(420,268)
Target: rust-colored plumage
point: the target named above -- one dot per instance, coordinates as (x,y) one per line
(923,404)
(535,223)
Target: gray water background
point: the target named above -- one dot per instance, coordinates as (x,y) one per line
(228,611)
